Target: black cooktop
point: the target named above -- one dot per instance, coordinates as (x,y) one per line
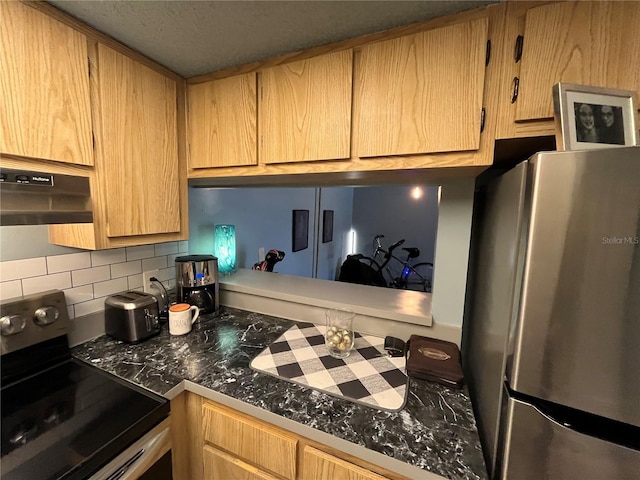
(69,420)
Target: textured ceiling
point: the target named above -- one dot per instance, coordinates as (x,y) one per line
(195,37)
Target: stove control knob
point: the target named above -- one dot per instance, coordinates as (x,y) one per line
(11,324)
(46,315)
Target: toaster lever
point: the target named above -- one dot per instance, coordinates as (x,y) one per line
(150,319)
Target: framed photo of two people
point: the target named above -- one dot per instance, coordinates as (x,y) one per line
(594,117)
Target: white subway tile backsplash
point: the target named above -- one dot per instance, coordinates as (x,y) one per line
(171,259)
(137,253)
(66,263)
(91,275)
(102,289)
(135,282)
(107,257)
(17,269)
(79,294)
(47,282)
(166,248)
(153,263)
(10,289)
(125,269)
(92,306)
(88,277)
(166,274)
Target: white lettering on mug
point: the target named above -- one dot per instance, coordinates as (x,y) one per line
(181,317)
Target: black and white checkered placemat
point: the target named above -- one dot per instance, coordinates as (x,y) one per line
(366,376)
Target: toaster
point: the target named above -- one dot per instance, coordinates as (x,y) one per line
(131,316)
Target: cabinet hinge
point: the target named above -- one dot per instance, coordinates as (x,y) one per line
(516,89)
(89,65)
(483,115)
(517,54)
(488,55)
(93,140)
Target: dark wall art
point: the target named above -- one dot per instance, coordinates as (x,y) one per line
(300,230)
(327,226)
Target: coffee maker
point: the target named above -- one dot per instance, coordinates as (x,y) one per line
(197,282)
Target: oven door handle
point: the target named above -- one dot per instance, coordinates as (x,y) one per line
(121,472)
(139,457)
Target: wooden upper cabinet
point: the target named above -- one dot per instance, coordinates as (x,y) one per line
(305,109)
(422,93)
(589,43)
(137,152)
(222,122)
(318,464)
(44,99)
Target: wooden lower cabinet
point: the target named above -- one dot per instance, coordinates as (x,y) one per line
(318,465)
(219,465)
(261,444)
(214,442)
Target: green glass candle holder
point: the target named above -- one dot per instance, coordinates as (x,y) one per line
(225,248)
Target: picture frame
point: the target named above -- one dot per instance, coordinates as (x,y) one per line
(327,226)
(300,230)
(589,117)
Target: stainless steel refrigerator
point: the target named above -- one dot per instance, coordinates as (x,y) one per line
(551,335)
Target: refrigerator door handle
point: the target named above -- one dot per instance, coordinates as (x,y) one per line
(583,422)
(539,446)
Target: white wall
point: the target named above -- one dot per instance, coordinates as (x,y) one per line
(332,254)
(48,266)
(452,251)
(390,210)
(28,241)
(263,218)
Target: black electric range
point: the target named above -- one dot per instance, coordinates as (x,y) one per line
(61,418)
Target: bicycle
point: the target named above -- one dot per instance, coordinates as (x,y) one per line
(370,271)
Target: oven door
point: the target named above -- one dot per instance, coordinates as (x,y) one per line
(151,454)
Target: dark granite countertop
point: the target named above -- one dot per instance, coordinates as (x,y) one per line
(435,431)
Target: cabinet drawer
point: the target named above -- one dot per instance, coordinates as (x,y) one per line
(259,443)
(319,465)
(219,465)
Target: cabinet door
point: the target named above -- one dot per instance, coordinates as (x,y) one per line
(264,445)
(589,43)
(222,122)
(137,161)
(44,80)
(318,464)
(305,109)
(222,466)
(422,93)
